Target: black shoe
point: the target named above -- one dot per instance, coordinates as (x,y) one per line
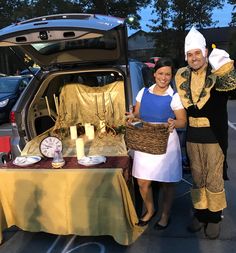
(143,223)
(158,226)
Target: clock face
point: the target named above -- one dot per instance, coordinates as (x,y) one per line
(48,146)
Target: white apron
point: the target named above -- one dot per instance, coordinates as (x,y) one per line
(162,168)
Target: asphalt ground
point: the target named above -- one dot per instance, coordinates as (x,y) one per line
(171,240)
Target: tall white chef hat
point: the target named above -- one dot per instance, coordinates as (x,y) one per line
(194,40)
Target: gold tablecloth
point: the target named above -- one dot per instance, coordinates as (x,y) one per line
(86,202)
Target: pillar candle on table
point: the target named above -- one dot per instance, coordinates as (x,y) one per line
(90,132)
(86,128)
(73,132)
(79,148)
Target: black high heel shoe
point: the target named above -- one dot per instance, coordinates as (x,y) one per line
(143,223)
(158,226)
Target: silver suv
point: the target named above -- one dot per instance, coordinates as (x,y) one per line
(79,50)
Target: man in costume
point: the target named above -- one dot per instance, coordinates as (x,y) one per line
(204,86)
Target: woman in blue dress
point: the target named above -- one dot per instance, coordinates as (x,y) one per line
(159,104)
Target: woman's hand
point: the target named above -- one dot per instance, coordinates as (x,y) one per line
(129,116)
(171,125)
(133,113)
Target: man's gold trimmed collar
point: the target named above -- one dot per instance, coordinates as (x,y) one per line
(184,88)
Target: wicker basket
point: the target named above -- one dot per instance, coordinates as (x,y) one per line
(149,138)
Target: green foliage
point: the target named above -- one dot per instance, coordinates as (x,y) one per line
(162,14)
(10,10)
(233,15)
(198,12)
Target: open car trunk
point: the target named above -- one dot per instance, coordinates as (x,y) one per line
(74,99)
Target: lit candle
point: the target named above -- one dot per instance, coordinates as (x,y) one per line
(102,126)
(73,132)
(79,148)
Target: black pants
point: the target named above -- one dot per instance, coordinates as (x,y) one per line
(206,216)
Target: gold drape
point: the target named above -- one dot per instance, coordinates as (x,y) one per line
(72,201)
(83,104)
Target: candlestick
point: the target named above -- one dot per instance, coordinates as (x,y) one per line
(103,102)
(96,103)
(79,148)
(112,108)
(72,110)
(48,108)
(102,126)
(56,103)
(73,132)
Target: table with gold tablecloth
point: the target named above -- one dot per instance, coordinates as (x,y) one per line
(86,201)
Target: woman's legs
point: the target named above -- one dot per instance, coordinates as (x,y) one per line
(146,193)
(166,202)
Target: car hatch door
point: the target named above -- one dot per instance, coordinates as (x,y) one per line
(64,39)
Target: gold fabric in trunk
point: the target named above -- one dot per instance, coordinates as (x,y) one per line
(80,104)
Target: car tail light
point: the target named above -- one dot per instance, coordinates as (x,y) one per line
(12,117)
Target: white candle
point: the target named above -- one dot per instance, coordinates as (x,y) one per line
(90,133)
(73,132)
(79,148)
(102,126)
(86,128)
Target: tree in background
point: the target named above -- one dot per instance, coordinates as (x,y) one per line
(233,15)
(10,11)
(197,12)
(49,7)
(232,43)
(161,25)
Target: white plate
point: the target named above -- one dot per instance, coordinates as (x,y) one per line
(92,160)
(26,160)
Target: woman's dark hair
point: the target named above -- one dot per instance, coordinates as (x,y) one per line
(163,62)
